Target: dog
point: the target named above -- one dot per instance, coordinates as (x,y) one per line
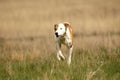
(64,35)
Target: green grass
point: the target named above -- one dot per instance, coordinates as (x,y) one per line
(87,64)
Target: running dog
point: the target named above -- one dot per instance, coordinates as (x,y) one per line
(64,35)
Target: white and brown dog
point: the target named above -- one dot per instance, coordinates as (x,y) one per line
(64,35)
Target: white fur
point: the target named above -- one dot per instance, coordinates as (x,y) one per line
(64,37)
(61,29)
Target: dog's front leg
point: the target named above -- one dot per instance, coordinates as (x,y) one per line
(69,54)
(59,52)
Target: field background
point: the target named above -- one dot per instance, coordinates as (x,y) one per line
(27,32)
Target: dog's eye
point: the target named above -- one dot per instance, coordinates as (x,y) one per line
(60,28)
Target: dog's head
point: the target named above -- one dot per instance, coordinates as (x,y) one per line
(60,29)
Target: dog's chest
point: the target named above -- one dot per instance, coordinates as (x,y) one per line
(62,40)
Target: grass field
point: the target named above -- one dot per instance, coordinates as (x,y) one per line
(26,35)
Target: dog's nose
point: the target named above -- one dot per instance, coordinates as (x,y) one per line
(56,34)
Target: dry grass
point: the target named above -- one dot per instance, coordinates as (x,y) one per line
(30,23)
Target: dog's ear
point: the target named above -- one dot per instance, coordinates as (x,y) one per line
(55,26)
(66,24)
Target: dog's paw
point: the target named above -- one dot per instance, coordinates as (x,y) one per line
(62,57)
(59,57)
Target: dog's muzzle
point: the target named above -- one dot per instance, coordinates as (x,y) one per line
(56,34)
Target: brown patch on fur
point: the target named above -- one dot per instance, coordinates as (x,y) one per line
(55,26)
(67,25)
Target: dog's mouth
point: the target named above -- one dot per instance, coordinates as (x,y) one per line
(56,34)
